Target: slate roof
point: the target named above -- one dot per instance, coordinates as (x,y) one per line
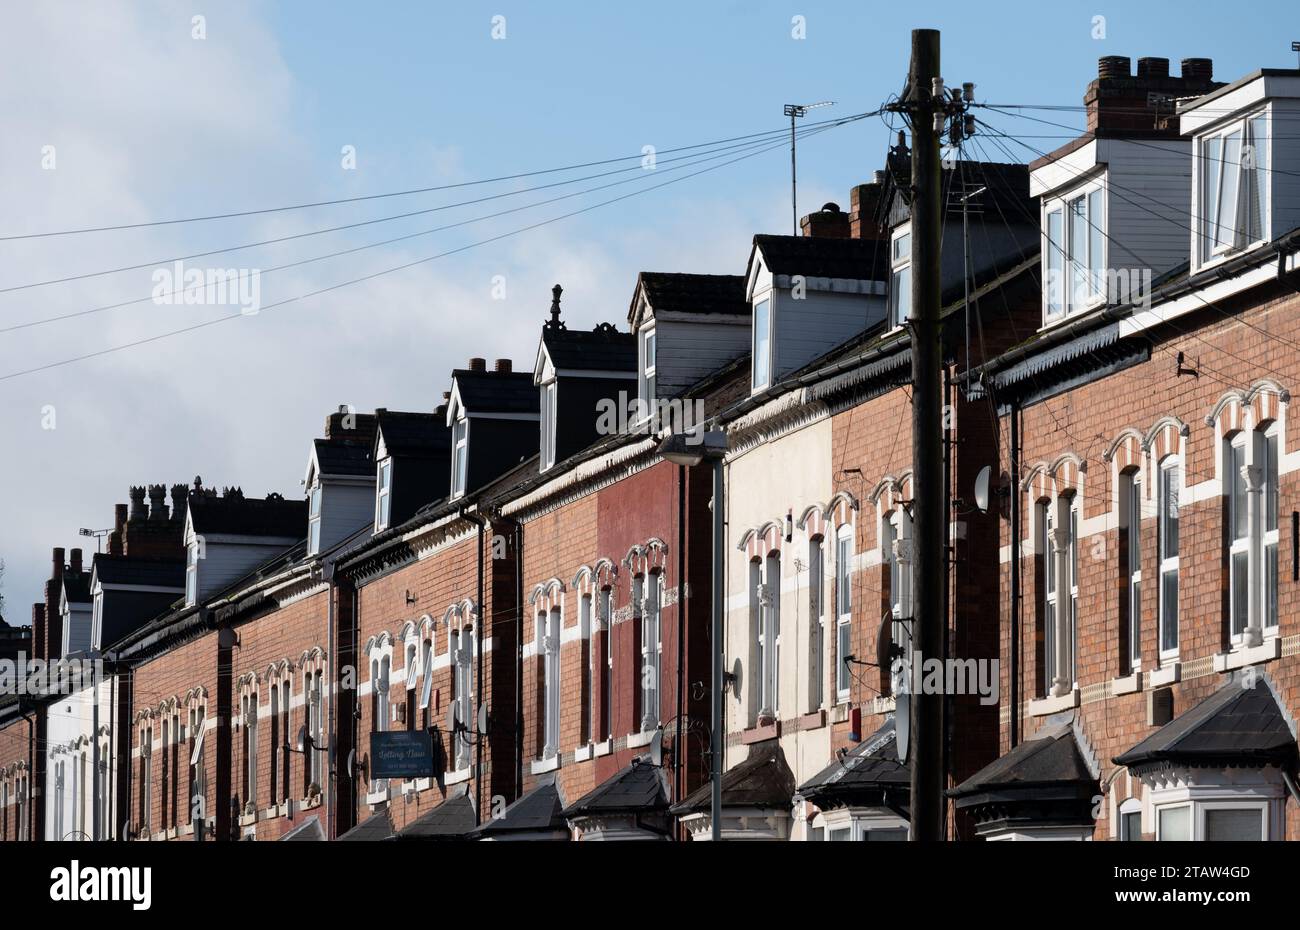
(763,780)
(453,819)
(638,788)
(335,457)
(693,293)
(1236,725)
(819,257)
(867,769)
(248,516)
(601,349)
(122,569)
(1048,759)
(76,587)
(377,827)
(540,810)
(308,831)
(496,392)
(414,433)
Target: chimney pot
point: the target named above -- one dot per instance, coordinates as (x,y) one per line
(446,397)
(1113,66)
(138,509)
(503,366)
(119,517)
(57,559)
(478,364)
(75,562)
(158,502)
(1153,68)
(1202,69)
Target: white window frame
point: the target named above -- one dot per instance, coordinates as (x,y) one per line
(652,651)
(900,276)
(192,575)
(816,623)
(548,418)
(1055,589)
(314,496)
(844,548)
(761,343)
(1214,168)
(550,624)
(460,456)
(1168,562)
(1131,489)
(383,493)
(647,369)
(769,637)
(607,608)
(1254,446)
(587,695)
(313,699)
(1076,260)
(461,645)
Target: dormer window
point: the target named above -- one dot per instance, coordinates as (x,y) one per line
(900,277)
(313,520)
(762,349)
(548,423)
(383,494)
(1232,164)
(459,456)
(1074,252)
(646,369)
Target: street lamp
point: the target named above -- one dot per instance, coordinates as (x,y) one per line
(690,450)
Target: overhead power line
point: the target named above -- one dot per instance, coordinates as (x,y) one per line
(391,270)
(416,190)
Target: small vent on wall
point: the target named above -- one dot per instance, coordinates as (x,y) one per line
(1160,707)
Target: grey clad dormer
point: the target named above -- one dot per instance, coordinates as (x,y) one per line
(493,417)
(577,372)
(412,463)
(809,294)
(687,326)
(340,479)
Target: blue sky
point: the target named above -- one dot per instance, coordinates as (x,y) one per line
(149,123)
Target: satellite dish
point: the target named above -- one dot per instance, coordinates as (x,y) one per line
(482,719)
(657,747)
(885,642)
(982,488)
(302,739)
(737,671)
(452,717)
(903,724)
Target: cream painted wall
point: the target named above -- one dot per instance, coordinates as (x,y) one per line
(763,484)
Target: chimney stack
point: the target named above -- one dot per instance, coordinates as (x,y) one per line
(138,509)
(57,560)
(1118,101)
(864,200)
(75,562)
(158,503)
(830,222)
(478,364)
(503,366)
(178,503)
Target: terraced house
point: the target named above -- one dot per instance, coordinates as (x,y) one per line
(491,619)
(1148,560)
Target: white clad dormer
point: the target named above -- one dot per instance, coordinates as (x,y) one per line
(1246,167)
(1114,203)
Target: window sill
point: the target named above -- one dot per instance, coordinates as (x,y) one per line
(1166,674)
(187,830)
(602,749)
(1041,707)
(886,704)
(1129,684)
(814,721)
(637,740)
(456,776)
(377,797)
(758,734)
(247,819)
(423,784)
(1242,656)
(582,753)
(840,712)
(542,766)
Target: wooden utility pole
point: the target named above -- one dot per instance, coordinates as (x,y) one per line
(927,112)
